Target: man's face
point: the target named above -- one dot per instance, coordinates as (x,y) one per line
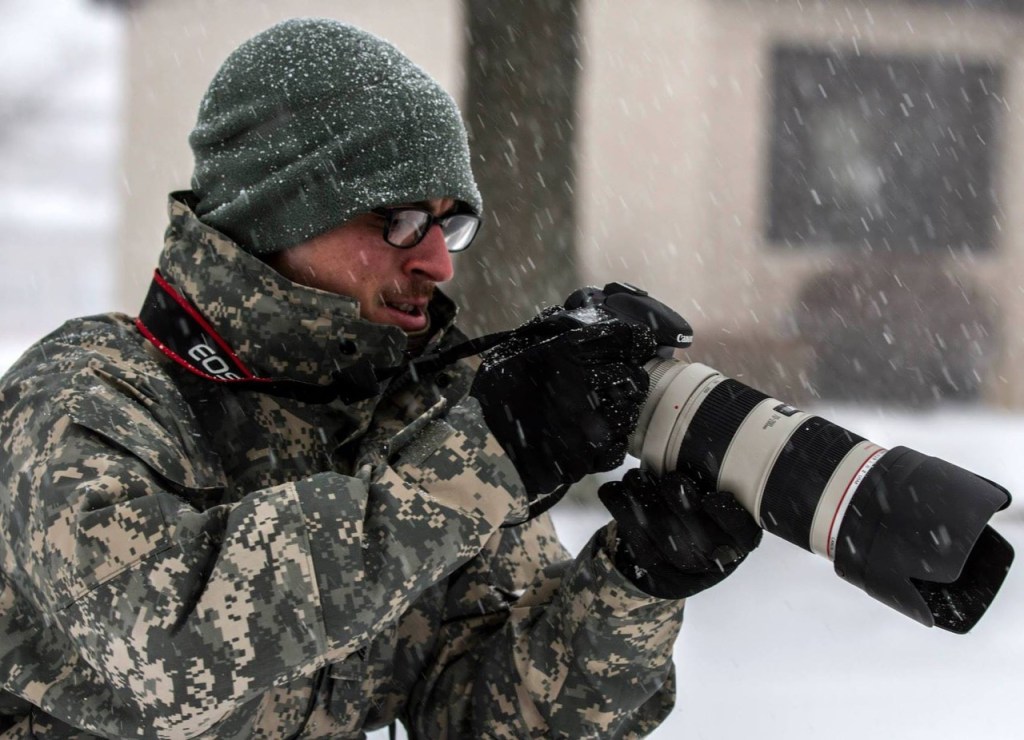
(393,286)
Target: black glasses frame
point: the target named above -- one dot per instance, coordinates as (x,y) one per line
(458,218)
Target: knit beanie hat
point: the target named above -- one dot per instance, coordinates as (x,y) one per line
(314,121)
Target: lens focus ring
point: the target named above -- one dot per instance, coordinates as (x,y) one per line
(712,429)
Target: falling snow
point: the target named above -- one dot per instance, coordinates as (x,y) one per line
(784,648)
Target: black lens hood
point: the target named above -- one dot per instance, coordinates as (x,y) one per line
(916,537)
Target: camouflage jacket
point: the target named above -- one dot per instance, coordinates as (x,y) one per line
(181,559)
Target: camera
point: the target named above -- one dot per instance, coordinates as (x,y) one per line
(909,529)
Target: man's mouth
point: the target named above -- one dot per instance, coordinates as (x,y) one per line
(409,314)
(408,308)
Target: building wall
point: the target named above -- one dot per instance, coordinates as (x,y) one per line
(676,126)
(675,120)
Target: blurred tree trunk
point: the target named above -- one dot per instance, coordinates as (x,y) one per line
(522,60)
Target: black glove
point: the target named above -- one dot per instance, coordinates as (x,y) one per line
(562,402)
(674,539)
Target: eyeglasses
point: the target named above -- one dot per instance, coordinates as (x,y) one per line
(405,227)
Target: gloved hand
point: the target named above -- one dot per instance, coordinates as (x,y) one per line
(674,539)
(562,402)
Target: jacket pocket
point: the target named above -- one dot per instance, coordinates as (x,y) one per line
(358,681)
(131,423)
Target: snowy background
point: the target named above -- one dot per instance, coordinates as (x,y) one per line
(783,649)
(59,108)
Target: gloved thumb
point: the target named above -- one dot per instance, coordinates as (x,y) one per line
(725,511)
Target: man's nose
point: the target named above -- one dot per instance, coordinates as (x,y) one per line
(431,258)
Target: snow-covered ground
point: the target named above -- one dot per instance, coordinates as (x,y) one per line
(783,649)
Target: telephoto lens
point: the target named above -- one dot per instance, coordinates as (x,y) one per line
(910,530)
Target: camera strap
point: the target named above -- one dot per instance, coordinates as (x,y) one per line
(176,327)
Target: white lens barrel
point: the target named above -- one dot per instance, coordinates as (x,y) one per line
(752,453)
(794,472)
(838,494)
(873,512)
(674,395)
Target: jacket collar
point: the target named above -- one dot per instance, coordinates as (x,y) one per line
(276,327)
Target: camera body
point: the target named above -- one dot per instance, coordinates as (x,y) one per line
(909,529)
(628,303)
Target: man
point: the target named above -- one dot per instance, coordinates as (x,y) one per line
(245,514)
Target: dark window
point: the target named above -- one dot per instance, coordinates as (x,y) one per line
(893,152)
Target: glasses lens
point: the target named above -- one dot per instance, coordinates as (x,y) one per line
(459,230)
(407,227)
